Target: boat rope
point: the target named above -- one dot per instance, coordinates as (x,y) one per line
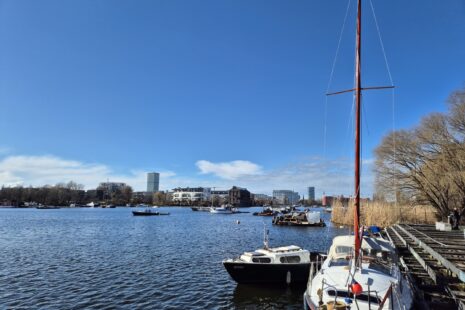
(393,104)
(381,43)
(338,47)
(392,93)
(332,75)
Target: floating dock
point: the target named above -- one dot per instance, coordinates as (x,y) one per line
(434,261)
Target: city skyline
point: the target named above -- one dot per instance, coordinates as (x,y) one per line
(214,93)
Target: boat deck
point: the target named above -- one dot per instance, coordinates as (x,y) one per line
(435,263)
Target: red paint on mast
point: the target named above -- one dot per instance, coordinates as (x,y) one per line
(358,93)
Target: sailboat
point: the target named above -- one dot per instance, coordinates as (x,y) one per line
(360,272)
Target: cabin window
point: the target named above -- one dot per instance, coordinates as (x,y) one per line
(290,259)
(343,249)
(265,260)
(362,297)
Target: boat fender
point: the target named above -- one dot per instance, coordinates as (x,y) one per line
(355,287)
(288,277)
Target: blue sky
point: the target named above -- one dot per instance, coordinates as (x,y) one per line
(212,93)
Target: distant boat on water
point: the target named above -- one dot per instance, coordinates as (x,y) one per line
(45,207)
(204,209)
(148,212)
(267,211)
(307,218)
(226,209)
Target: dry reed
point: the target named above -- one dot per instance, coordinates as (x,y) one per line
(382,214)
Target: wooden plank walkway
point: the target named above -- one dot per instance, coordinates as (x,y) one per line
(434,261)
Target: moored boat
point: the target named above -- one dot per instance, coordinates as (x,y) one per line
(46,207)
(306,218)
(148,212)
(266,212)
(374,283)
(225,209)
(280,265)
(360,272)
(204,209)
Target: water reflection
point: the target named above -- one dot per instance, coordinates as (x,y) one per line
(248,296)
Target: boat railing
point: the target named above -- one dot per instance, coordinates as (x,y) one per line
(396,294)
(314,269)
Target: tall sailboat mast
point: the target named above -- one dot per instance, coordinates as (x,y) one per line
(358,93)
(358,105)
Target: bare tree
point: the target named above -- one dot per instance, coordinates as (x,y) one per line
(426,164)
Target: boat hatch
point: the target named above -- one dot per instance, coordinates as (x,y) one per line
(361,297)
(253,254)
(339,262)
(286,249)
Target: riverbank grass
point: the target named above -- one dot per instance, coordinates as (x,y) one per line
(382,214)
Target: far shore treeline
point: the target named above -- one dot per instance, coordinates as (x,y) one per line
(65,194)
(61,194)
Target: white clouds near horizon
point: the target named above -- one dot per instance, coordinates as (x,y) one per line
(330,176)
(229,170)
(50,170)
(333,177)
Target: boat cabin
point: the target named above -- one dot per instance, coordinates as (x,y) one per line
(291,254)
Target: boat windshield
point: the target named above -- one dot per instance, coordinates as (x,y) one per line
(380,268)
(339,262)
(341,249)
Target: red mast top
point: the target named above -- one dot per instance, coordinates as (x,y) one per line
(358,93)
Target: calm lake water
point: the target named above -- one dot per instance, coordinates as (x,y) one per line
(109,259)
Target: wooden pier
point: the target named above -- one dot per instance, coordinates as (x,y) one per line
(435,263)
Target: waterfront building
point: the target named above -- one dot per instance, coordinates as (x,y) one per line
(191,194)
(223,194)
(311,193)
(153,182)
(140,195)
(111,187)
(284,196)
(240,197)
(262,197)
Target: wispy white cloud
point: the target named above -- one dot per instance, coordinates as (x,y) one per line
(229,170)
(43,170)
(330,176)
(333,177)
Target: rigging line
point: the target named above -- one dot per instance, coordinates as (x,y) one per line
(350,125)
(394,141)
(381,43)
(325,128)
(392,94)
(338,47)
(331,79)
